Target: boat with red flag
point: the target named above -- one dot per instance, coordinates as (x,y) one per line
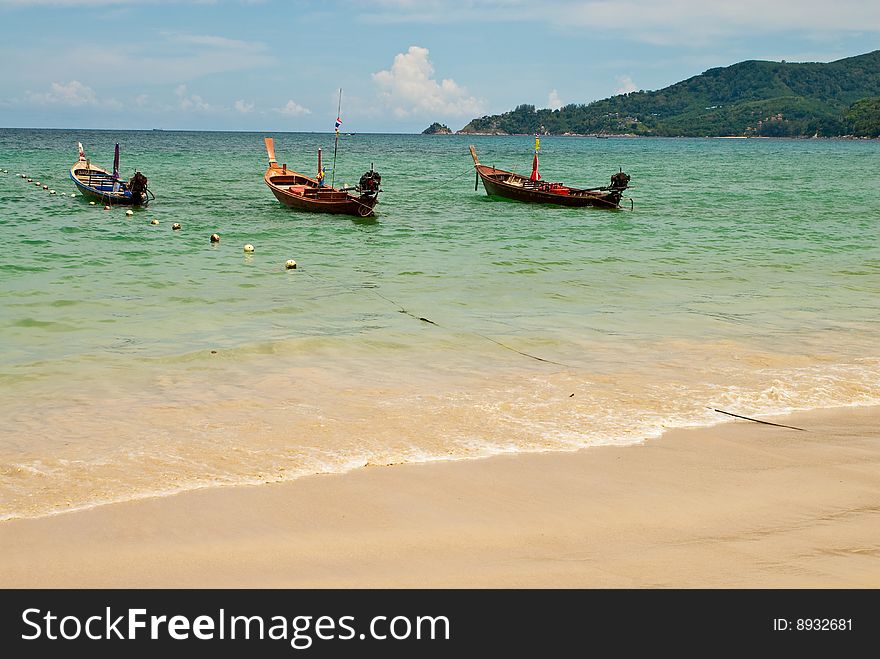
(534,189)
(98,184)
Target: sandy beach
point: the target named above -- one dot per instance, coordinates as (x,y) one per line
(735,505)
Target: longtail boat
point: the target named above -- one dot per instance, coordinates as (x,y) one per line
(97,183)
(311,194)
(502,183)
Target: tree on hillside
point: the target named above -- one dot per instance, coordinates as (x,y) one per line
(863,117)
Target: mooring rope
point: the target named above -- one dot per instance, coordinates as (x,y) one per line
(403,310)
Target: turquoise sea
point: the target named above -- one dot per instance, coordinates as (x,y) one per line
(139,361)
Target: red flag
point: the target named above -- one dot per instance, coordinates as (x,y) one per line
(535,175)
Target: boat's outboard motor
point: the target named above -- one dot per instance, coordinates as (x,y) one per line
(620,181)
(369,183)
(138,186)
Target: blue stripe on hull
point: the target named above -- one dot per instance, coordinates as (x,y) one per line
(97,194)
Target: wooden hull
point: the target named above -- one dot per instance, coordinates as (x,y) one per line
(304,193)
(501,183)
(96,184)
(535,195)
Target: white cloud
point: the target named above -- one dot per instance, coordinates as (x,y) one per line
(673,22)
(408,88)
(293,109)
(553,100)
(168,59)
(107,3)
(73,93)
(705,22)
(625,85)
(214,41)
(64,3)
(243,107)
(192,101)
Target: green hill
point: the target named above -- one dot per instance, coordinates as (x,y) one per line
(437,129)
(749,98)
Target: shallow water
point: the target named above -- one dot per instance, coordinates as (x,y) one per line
(137,360)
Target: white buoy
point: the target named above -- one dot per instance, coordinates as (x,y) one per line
(290,265)
(249,248)
(51,192)
(154,221)
(106,208)
(175,226)
(45,187)
(91,203)
(215,237)
(129,212)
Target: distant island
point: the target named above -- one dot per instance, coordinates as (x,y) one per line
(437,129)
(752,98)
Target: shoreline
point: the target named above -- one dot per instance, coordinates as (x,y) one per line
(722,417)
(737,504)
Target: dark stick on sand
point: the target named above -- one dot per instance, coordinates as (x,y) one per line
(767,423)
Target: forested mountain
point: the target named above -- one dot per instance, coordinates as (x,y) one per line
(749,98)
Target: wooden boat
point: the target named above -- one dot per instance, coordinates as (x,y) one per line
(501,183)
(311,194)
(98,184)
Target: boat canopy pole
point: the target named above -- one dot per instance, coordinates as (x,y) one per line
(336,144)
(116,168)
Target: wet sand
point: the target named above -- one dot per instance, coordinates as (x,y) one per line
(736,505)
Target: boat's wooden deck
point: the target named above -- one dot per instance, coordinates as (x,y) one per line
(99,181)
(516,180)
(307,188)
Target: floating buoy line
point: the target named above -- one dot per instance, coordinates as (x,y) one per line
(291,264)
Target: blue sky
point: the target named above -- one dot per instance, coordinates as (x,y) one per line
(402,64)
